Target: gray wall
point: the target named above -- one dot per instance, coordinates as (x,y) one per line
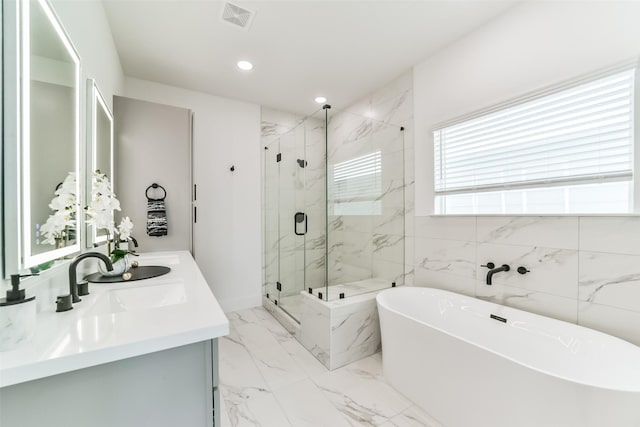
(152,144)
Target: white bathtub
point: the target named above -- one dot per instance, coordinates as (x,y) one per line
(444,351)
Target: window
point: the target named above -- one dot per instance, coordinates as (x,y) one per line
(566,152)
(357,186)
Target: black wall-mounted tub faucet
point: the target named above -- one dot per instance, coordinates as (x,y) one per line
(493,271)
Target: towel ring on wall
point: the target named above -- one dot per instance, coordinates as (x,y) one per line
(154,185)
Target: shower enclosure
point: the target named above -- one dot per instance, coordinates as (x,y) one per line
(333,209)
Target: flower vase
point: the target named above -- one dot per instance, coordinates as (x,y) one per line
(119,267)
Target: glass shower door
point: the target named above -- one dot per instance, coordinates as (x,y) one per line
(271,221)
(293,221)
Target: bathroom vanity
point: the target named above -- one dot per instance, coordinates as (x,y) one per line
(138,353)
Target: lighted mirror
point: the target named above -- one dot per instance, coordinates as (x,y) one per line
(99,148)
(50,95)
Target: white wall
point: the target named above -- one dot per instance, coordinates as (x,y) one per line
(532,46)
(227,237)
(87,25)
(583,269)
(153,145)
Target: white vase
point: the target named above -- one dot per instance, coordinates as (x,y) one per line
(121,266)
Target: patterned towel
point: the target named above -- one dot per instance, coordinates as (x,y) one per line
(156,218)
(156,214)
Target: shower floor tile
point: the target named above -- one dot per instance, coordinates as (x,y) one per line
(268,379)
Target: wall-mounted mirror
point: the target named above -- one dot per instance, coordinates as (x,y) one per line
(99,149)
(50,99)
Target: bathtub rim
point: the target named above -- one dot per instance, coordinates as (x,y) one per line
(409,289)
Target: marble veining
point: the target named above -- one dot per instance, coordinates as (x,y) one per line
(598,285)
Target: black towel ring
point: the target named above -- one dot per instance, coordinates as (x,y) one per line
(154,185)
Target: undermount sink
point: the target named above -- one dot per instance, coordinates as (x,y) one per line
(139,298)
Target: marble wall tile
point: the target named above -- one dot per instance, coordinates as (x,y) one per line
(387,139)
(553,271)
(610,320)
(446,227)
(393,103)
(315,329)
(393,164)
(388,247)
(610,279)
(440,280)
(351,273)
(551,232)
(354,335)
(389,270)
(392,195)
(455,257)
(357,223)
(534,302)
(610,234)
(392,221)
(409,275)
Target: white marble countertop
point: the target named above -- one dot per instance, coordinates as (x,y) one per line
(106,326)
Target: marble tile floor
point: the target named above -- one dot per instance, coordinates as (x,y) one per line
(268,379)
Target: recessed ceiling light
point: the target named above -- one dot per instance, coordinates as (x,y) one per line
(321,99)
(245,65)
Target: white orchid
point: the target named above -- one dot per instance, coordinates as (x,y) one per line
(100,209)
(63,206)
(125,227)
(103,203)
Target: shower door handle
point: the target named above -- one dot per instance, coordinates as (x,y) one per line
(299,218)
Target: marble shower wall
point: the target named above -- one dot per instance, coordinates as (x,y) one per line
(342,331)
(359,247)
(373,246)
(584,270)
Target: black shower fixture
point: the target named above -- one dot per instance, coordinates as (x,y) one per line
(302,163)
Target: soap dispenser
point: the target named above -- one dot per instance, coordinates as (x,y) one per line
(17,316)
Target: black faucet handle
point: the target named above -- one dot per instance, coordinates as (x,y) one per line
(83,288)
(63,303)
(523,270)
(489,265)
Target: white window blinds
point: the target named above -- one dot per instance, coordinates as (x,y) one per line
(357,183)
(575,136)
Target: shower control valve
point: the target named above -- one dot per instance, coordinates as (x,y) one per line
(489,265)
(523,270)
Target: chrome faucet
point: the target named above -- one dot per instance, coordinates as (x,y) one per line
(493,270)
(73,285)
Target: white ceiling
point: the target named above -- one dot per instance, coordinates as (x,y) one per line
(341,49)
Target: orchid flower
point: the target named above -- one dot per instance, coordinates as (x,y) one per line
(63,206)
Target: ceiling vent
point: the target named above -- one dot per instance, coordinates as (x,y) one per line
(237,16)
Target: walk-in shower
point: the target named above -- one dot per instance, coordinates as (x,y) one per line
(334,208)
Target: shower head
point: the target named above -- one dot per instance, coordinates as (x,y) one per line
(302,163)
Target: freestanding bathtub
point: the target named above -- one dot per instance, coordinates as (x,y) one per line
(472,363)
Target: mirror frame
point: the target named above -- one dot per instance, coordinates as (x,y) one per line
(96,101)
(28,259)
